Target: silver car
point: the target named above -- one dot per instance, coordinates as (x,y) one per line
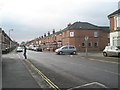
(66,50)
(19,49)
(112,51)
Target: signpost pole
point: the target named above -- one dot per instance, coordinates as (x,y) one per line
(86,50)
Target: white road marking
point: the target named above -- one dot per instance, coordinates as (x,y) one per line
(88,84)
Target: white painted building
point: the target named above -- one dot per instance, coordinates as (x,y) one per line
(115,28)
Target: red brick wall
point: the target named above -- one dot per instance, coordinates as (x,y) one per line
(111,24)
(79,36)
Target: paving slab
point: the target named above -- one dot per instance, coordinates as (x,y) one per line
(15,74)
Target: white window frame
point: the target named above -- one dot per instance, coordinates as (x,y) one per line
(117,22)
(96,43)
(95,34)
(90,44)
(116,41)
(71,34)
(82,44)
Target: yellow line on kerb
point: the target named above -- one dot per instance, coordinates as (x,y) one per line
(103,61)
(43,76)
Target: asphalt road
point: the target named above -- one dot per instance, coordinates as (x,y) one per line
(69,71)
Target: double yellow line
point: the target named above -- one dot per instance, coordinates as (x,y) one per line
(43,76)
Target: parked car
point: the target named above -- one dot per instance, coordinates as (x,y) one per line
(66,50)
(19,49)
(36,48)
(111,51)
(30,47)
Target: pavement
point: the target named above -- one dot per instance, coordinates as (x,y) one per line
(0,73)
(15,74)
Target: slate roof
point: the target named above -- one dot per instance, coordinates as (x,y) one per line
(116,12)
(105,28)
(86,26)
(82,25)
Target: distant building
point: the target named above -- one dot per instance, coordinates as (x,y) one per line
(5,42)
(74,34)
(115,28)
(98,37)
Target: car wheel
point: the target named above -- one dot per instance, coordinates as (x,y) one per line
(74,52)
(60,52)
(105,54)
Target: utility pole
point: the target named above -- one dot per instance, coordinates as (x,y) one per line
(119,5)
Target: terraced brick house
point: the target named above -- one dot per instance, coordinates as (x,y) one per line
(75,35)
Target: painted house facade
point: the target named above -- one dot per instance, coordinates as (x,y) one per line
(114,28)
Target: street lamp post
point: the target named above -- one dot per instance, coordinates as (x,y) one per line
(10,31)
(10,38)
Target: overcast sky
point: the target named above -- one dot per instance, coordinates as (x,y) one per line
(33,18)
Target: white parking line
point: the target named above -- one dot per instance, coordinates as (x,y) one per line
(88,84)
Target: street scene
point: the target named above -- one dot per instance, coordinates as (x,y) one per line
(45,46)
(65,71)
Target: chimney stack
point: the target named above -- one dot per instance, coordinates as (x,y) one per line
(45,35)
(48,33)
(69,24)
